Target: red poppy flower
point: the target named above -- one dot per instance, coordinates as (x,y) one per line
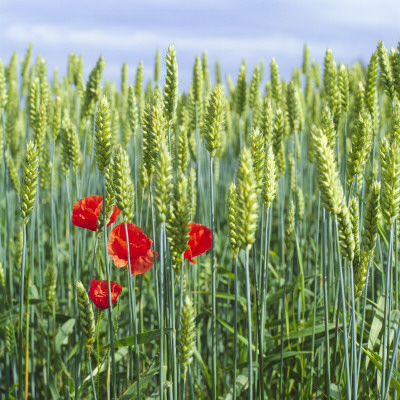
(99,294)
(140,252)
(86,211)
(199,242)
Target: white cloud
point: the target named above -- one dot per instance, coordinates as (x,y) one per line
(122,39)
(350,27)
(354,14)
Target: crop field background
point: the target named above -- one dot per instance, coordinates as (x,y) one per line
(235,237)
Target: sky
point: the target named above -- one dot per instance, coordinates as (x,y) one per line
(229,30)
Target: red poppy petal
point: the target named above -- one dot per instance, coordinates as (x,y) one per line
(140,253)
(142,263)
(200,239)
(86,211)
(99,294)
(117,246)
(188,255)
(114,215)
(115,291)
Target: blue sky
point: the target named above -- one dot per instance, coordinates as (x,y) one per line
(256,30)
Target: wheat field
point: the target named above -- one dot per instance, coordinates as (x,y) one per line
(237,240)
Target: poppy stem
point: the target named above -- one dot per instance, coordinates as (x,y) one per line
(214,311)
(93,262)
(133,309)
(130,370)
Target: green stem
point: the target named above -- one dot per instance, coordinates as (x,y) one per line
(91,378)
(162,310)
(169,140)
(110,321)
(173,325)
(93,262)
(282,330)
(180,306)
(48,355)
(315,300)
(263,292)
(326,308)
(392,363)
(133,308)
(387,310)
(154,246)
(213,288)
(240,133)
(250,353)
(183,389)
(198,163)
(363,318)
(343,303)
(353,334)
(235,333)
(21,316)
